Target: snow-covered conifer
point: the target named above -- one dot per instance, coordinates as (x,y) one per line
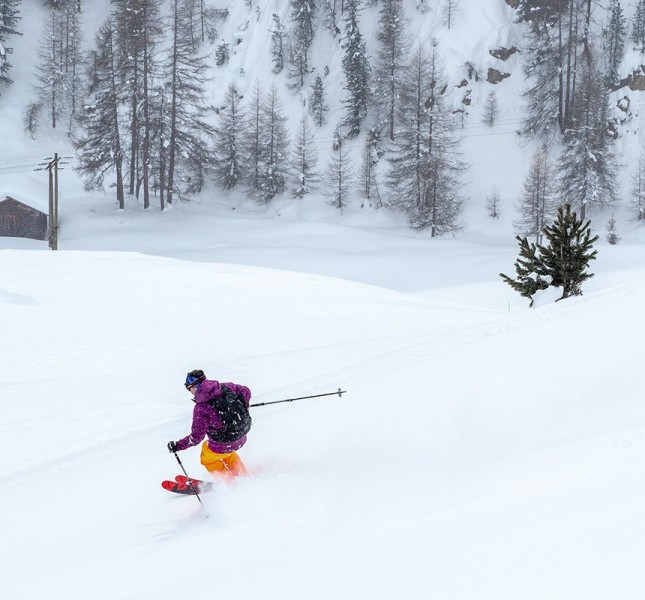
(537,200)
(9,17)
(305,159)
(100,146)
(340,173)
(302,17)
(638,27)
(614,35)
(426,165)
(277,44)
(317,105)
(356,69)
(275,141)
(229,140)
(392,56)
(491,110)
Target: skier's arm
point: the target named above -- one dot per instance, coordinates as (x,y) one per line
(198,430)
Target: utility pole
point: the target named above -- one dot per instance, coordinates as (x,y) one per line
(52,167)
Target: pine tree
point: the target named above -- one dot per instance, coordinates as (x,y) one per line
(340,173)
(426,166)
(638,27)
(391,59)
(569,251)
(302,17)
(614,41)
(563,262)
(356,69)
(229,141)
(587,166)
(277,44)
(221,54)
(9,17)
(317,106)
(537,201)
(305,158)
(491,110)
(530,274)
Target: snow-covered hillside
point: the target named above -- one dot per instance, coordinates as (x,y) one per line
(483,449)
(498,158)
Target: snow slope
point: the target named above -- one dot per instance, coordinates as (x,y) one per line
(483,450)
(478,453)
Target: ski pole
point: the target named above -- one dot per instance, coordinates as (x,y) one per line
(339,392)
(190,483)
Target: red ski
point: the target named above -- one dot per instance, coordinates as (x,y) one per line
(186,485)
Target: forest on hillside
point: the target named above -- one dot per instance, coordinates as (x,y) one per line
(135,106)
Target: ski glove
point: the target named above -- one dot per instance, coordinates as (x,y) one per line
(172,446)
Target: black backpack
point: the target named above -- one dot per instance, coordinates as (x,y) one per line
(234,414)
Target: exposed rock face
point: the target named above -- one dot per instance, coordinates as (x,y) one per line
(503,53)
(513,3)
(634,81)
(637,83)
(494,76)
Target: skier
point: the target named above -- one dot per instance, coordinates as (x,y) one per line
(224,434)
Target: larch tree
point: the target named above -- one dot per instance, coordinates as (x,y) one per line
(340,173)
(304,160)
(275,141)
(140,29)
(59,67)
(187,133)
(253,148)
(392,56)
(426,166)
(538,198)
(229,140)
(99,147)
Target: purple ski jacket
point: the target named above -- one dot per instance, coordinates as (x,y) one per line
(206,418)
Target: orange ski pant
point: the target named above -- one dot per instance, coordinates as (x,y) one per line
(227,465)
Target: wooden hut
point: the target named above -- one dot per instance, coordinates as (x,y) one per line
(18,219)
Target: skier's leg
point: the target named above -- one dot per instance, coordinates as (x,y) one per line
(222,465)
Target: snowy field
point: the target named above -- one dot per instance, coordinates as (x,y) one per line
(483,449)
